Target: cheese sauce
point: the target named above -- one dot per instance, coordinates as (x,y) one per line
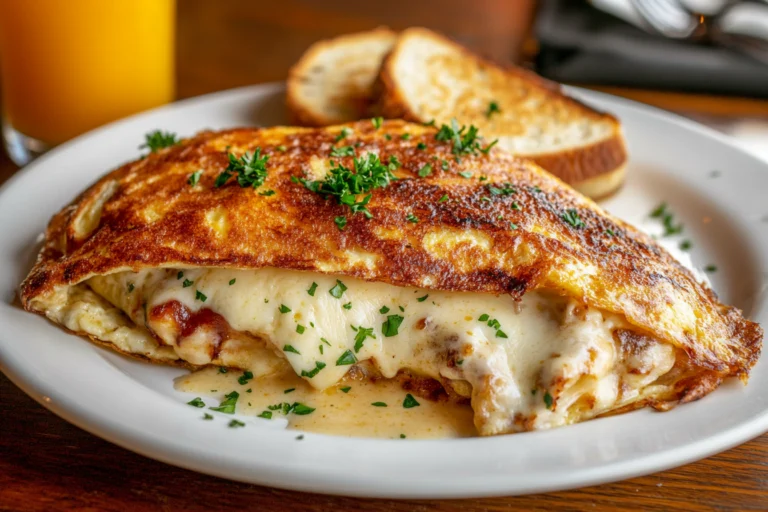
(345,409)
(526,364)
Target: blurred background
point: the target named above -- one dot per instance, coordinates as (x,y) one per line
(707,59)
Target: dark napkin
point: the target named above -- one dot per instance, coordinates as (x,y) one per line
(581,44)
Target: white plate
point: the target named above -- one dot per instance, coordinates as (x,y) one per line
(134,405)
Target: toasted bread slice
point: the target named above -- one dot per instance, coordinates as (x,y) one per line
(428,77)
(332,81)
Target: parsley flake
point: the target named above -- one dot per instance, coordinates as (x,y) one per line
(466,174)
(194,178)
(319,365)
(341,222)
(362,334)
(228,405)
(266,415)
(200,296)
(207,416)
(345,389)
(571,216)
(422,299)
(289,390)
(289,348)
(466,141)
(425,171)
(245,377)
(284,309)
(405,136)
(384,310)
(312,289)
(421,146)
(187,283)
(710,268)
(196,402)
(346,358)
(379,404)
(343,134)
(412,218)
(493,108)
(377,122)
(391,326)
(548,401)
(338,290)
(232,281)
(158,140)
(251,169)
(342,151)
(236,424)
(410,402)
(347,306)
(130,287)
(443,199)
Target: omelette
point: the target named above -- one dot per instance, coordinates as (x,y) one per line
(387,251)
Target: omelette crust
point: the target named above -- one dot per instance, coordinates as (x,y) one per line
(152,217)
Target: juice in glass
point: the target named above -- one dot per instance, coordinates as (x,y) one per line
(68,66)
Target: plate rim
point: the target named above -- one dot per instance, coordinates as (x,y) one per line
(702,448)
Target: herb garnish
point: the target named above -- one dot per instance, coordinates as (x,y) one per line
(200,296)
(425,171)
(187,283)
(465,140)
(319,365)
(384,310)
(245,377)
(267,193)
(194,178)
(130,287)
(236,423)
(345,389)
(338,290)
(466,174)
(341,222)
(421,146)
(266,415)
(232,281)
(157,140)
(710,268)
(284,309)
(207,416)
(222,369)
(196,402)
(504,189)
(571,216)
(312,289)
(343,134)
(289,390)
(251,169)
(410,402)
(377,121)
(390,327)
(346,358)
(289,348)
(412,218)
(179,275)
(347,306)
(493,108)
(548,401)
(362,334)
(443,199)
(512,225)
(405,136)
(228,405)
(379,404)
(422,299)
(300,328)
(686,245)
(342,151)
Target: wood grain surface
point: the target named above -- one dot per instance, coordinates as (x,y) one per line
(47,464)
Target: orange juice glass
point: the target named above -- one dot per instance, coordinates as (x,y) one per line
(68,66)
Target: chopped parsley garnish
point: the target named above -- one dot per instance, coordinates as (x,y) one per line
(289,348)
(384,310)
(444,165)
(347,306)
(484,317)
(281,148)
(670,228)
(222,369)
(465,140)
(710,268)
(362,334)
(266,415)
(320,349)
(289,390)
(512,225)
(421,146)
(379,404)
(325,341)
(493,108)
(610,232)
(342,151)
(387,136)
(157,140)
(284,309)
(443,199)
(343,134)
(341,222)
(200,296)
(571,216)
(300,328)
(501,334)
(187,283)
(194,178)
(686,245)
(196,402)
(460,362)
(405,136)
(392,324)
(228,405)
(425,171)
(412,218)
(312,289)
(659,210)
(504,189)
(207,416)
(319,365)
(466,174)
(345,389)
(236,423)
(346,358)
(422,299)
(251,169)
(267,193)
(338,290)
(232,281)
(548,401)
(402,436)
(377,121)
(402,309)
(410,402)
(180,274)
(249,390)
(301,409)
(130,287)
(245,377)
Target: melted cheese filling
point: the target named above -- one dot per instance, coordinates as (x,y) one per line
(537,363)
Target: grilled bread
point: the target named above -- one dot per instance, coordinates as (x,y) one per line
(486,276)
(428,77)
(332,81)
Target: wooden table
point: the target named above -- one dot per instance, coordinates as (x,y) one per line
(48,464)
